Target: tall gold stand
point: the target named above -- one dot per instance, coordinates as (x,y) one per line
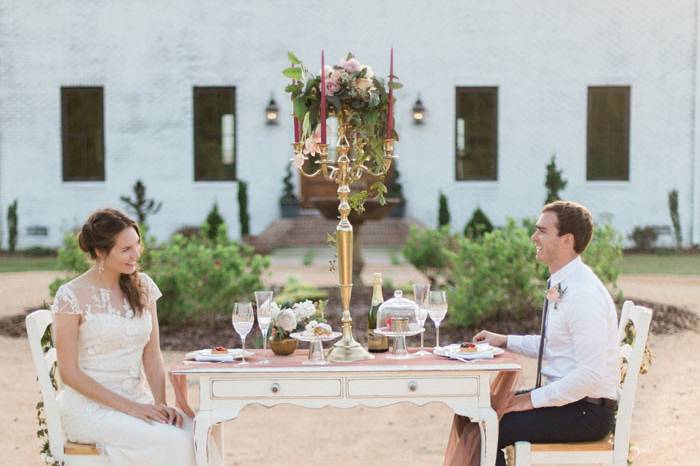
(344,172)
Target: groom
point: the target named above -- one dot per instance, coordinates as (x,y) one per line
(578,354)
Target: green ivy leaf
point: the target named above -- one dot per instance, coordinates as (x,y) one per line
(292,73)
(395,85)
(300,108)
(306,125)
(293,58)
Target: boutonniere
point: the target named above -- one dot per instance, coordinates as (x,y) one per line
(555,294)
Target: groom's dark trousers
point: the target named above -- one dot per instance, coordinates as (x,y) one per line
(581,421)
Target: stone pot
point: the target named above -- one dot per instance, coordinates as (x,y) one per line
(283,347)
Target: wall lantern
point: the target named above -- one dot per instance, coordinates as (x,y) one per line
(272,112)
(418,112)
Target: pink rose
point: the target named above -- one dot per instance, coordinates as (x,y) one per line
(363,84)
(332,87)
(352,65)
(553,295)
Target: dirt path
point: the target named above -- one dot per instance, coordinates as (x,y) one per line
(666,416)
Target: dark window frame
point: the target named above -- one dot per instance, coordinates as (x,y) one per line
(626,128)
(65,90)
(196,91)
(493,90)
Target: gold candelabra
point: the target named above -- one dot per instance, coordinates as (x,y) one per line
(345,171)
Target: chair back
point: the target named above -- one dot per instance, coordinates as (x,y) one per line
(36,323)
(631,356)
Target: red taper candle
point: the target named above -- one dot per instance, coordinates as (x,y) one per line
(323,99)
(390,103)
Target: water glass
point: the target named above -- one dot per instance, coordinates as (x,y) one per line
(420,296)
(437,309)
(242,319)
(263,302)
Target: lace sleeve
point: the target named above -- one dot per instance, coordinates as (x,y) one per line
(151,289)
(65,302)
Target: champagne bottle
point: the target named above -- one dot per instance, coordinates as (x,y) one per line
(376,343)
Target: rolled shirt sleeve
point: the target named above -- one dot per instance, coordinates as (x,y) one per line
(585,320)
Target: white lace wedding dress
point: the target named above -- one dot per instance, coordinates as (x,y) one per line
(111,340)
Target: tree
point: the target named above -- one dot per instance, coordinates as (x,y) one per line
(213,223)
(139,205)
(12,226)
(444,211)
(243,217)
(675,217)
(478,225)
(554,182)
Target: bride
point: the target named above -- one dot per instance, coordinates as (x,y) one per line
(106,335)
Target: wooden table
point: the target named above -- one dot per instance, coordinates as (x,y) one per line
(225,389)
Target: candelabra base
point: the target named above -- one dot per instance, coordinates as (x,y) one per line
(348,350)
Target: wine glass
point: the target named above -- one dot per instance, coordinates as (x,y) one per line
(437,309)
(242,319)
(263,302)
(420,296)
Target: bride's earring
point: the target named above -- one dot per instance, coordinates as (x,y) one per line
(100,266)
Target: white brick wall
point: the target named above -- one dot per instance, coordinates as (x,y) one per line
(542,55)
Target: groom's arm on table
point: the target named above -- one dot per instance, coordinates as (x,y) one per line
(66,329)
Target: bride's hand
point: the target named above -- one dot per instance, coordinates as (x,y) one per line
(148,413)
(173,415)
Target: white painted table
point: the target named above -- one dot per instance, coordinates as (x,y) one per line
(225,389)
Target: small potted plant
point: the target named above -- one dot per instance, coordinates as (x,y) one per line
(289,204)
(290,319)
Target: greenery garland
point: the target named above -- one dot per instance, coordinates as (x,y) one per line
(43,432)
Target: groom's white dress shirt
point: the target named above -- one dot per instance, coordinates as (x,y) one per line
(581,349)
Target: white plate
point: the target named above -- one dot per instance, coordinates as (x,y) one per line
(413,330)
(483,351)
(205,355)
(303,336)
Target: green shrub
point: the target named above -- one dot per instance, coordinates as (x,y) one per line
(496,274)
(604,256)
(295,291)
(428,251)
(39,251)
(243,216)
(308,258)
(71,259)
(644,238)
(12,226)
(554,181)
(213,223)
(675,217)
(478,225)
(443,211)
(139,205)
(200,278)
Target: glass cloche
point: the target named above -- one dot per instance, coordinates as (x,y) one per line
(398,315)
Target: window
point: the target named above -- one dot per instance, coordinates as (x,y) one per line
(82,133)
(607,152)
(476,141)
(214,133)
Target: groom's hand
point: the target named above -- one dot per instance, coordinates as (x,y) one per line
(521,402)
(493,339)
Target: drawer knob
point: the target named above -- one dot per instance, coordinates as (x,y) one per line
(275,387)
(412,386)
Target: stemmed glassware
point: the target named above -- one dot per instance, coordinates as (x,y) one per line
(420,296)
(437,309)
(242,320)
(263,302)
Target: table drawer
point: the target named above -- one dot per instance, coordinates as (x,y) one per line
(276,388)
(413,387)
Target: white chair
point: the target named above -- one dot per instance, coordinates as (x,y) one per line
(614,449)
(72,454)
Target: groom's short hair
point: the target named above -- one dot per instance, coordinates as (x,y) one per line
(573,218)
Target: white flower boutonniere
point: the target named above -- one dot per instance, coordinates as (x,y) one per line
(555,294)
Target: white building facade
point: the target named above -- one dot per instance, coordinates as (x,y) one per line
(540,59)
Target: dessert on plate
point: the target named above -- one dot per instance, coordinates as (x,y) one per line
(467,347)
(219,350)
(317,329)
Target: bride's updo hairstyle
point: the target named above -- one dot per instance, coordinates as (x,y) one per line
(100,232)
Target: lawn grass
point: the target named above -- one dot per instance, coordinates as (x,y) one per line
(672,264)
(25,264)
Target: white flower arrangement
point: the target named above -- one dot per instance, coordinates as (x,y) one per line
(287,320)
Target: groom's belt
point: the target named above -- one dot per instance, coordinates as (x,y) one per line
(607,402)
